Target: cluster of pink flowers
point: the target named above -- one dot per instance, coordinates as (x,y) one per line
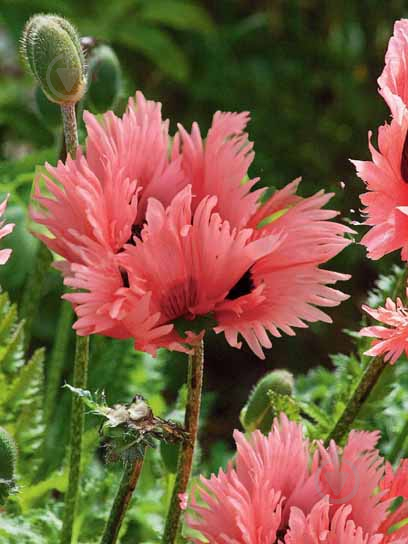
(386,199)
(279,491)
(4,230)
(156,232)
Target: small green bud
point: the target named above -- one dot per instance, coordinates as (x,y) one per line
(50,45)
(8,459)
(104,76)
(258,413)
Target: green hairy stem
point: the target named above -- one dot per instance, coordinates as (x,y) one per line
(185,460)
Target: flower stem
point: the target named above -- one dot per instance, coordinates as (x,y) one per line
(77,429)
(399,443)
(80,371)
(185,460)
(364,387)
(130,477)
(70,128)
(368,380)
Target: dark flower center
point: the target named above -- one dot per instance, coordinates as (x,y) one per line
(125,277)
(136,231)
(404,160)
(243,286)
(180,298)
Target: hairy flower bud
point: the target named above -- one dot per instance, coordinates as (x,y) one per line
(50,45)
(8,458)
(258,413)
(104,75)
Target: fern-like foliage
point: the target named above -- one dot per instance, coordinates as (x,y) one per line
(21,390)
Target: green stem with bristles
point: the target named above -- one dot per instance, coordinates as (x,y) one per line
(366,384)
(364,387)
(130,477)
(70,128)
(76,432)
(185,460)
(80,372)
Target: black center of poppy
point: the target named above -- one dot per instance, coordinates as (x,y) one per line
(125,277)
(243,286)
(404,160)
(136,231)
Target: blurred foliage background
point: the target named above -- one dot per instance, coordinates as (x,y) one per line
(305,69)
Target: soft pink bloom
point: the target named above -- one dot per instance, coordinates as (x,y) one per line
(4,230)
(393,81)
(396,482)
(386,199)
(278,491)
(318,528)
(155,235)
(390,341)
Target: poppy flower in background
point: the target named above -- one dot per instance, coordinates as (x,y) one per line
(4,230)
(277,490)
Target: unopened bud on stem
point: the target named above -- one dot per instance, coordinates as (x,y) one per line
(50,45)
(104,75)
(258,413)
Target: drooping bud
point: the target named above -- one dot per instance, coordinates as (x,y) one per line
(104,76)
(8,459)
(258,413)
(50,45)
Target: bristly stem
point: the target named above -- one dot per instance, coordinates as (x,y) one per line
(70,127)
(364,387)
(367,382)
(185,460)
(80,372)
(130,477)
(77,430)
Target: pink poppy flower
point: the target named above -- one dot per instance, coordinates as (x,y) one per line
(278,491)
(390,341)
(393,81)
(317,528)
(386,179)
(396,483)
(160,240)
(4,230)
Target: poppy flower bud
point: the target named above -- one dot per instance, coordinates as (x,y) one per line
(104,79)
(50,45)
(258,412)
(8,458)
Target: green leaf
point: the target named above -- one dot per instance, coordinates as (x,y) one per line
(158,46)
(177,14)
